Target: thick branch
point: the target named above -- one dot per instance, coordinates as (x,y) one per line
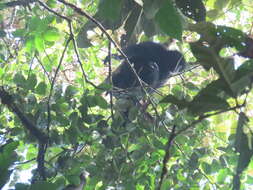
(18,3)
(6,99)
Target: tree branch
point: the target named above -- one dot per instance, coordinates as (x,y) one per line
(167,156)
(18,3)
(7,99)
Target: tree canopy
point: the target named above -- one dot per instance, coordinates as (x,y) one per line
(59,124)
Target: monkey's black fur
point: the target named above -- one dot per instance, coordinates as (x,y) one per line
(152,62)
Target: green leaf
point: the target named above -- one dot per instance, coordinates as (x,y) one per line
(180,175)
(209,58)
(203,54)
(223,173)
(60,182)
(220,4)
(19,33)
(41,88)
(2,33)
(33,23)
(1,72)
(39,43)
(51,35)
(150,27)
(19,80)
(7,157)
(215,88)
(74,179)
(206,168)
(49,19)
(101,102)
(93,101)
(194,9)
(133,113)
(29,44)
(169,20)
(151,7)
(174,100)
(215,166)
(166,184)
(51,3)
(21,186)
(243,77)
(2,6)
(70,92)
(64,107)
(93,118)
(9,148)
(206,103)
(42,185)
(140,187)
(64,121)
(231,37)
(213,14)
(5,176)
(110,9)
(132,24)
(193,162)
(242,145)
(31,81)
(103,87)
(241,142)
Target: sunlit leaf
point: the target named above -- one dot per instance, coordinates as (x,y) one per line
(39,43)
(51,35)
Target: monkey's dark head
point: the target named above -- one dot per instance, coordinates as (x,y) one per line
(152,62)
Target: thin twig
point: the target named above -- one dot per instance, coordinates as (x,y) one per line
(53,82)
(167,156)
(25,162)
(200,171)
(7,100)
(201,118)
(43,68)
(100,26)
(110,77)
(54,12)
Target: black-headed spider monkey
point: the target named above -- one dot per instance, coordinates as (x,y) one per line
(152,62)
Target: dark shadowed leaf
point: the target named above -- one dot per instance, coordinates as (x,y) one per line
(174,100)
(21,186)
(169,20)
(151,8)
(193,9)
(31,81)
(110,9)
(242,144)
(41,88)
(132,25)
(19,80)
(206,103)
(42,185)
(2,33)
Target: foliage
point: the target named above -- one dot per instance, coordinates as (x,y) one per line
(56,119)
